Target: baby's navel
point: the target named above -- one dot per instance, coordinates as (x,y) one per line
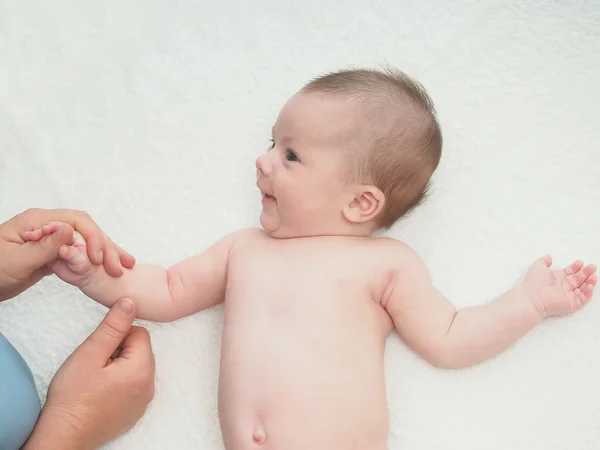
(259,436)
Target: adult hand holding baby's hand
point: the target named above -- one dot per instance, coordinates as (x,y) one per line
(559,292)
(97,395)
(23,256)
(73,265)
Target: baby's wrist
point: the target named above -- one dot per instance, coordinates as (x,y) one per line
(532,296)
(90,279)
(98,284)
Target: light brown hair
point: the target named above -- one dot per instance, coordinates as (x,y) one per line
(400,142)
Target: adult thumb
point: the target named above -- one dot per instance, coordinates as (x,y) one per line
(111,332)
(34,255)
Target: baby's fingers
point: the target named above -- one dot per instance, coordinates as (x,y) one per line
(39,233)
(586,293)
(580,277)
(34,235)
(72,255)
(51,227)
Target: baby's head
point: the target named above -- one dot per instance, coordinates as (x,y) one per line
(352,152)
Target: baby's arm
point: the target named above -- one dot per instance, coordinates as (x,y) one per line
(160,294)
(448,338)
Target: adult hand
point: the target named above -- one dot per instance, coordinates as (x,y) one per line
(101,390)
(22,264)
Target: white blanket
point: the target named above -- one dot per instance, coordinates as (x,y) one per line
(149,116)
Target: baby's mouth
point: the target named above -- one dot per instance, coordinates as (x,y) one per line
(268,199)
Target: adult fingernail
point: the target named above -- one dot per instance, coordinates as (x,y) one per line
(126,306)
(100,255)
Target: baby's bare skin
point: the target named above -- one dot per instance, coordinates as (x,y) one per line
(306,320)
(302,355)
(310,298)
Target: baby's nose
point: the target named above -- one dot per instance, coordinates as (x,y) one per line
(263,165)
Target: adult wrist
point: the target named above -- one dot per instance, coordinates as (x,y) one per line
(56,429)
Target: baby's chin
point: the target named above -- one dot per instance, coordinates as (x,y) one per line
(268,223)
(273,227)
(273,231)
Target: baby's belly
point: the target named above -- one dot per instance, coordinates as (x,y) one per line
(301,384)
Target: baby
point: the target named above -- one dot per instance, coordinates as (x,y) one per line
(310,298)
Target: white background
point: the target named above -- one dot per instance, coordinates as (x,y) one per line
(149,116)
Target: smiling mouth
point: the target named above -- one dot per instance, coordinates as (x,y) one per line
(266,198)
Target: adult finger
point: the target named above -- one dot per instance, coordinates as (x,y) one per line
(35,254)
(112,263)
(111,332)
(137,359)
(80,220)
(127,259)
(113,257)
(95,247)
(35,218)
(137,346)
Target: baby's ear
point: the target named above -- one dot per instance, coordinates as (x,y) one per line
(366,203)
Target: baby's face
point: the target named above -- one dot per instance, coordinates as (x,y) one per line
(300,176)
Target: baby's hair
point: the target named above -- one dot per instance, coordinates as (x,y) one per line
(398,139)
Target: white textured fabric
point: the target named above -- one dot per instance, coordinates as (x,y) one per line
(149,116)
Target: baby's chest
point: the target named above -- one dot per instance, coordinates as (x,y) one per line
(288,282)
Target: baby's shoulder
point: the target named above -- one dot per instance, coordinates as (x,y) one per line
(394,254)
(388,247)
(246,236)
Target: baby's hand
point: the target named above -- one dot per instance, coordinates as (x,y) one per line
(73,265)
(559,292)
(49,228)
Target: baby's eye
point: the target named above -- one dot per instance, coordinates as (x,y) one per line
(291,156)
(272,144)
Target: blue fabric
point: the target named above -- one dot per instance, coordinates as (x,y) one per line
(19,402)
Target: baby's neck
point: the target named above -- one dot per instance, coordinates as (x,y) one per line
(347,230)
(357,230)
